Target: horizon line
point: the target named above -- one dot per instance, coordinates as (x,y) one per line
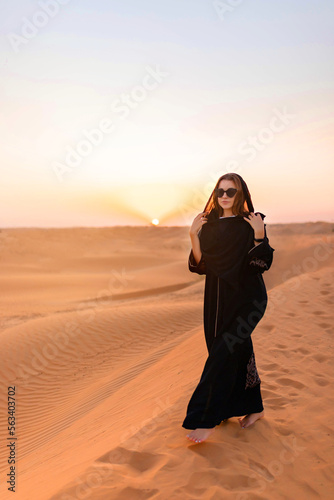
(149,225)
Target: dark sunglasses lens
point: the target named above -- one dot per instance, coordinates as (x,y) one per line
(230,192)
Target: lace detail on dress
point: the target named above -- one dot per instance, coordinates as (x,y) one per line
(258,262)
(252,378)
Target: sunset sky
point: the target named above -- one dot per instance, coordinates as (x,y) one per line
(118,112)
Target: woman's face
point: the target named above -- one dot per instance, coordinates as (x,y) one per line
(225,202)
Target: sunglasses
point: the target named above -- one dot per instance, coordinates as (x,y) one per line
(230,192)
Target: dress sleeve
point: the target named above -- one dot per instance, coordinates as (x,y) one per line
(260,257)
(199,268)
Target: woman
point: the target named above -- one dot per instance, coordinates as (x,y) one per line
(230,246)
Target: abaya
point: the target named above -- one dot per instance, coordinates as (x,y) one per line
(235,299)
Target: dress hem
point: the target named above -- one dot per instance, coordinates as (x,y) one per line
(203,425)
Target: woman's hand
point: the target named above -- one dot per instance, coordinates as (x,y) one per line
(257,224)
(198,222)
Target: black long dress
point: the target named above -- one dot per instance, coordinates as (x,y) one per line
(235,299)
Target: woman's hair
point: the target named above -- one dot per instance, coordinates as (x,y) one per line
(242,202)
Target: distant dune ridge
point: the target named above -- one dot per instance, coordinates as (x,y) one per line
(102,337)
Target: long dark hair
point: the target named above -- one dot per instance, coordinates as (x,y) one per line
(243,204)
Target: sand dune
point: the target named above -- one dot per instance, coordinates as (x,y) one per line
(102,336)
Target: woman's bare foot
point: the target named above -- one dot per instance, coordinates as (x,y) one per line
(199,435)
(250,419)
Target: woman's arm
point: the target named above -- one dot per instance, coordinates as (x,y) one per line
(259,234)
(196,263)
(260,257)
(195,245)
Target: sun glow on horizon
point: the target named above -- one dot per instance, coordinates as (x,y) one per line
(95,133)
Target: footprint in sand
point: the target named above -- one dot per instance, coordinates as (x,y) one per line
(325,325)
(268,328)
(136,493)
(276,403)
(302,350)
(270,366)
(290,382)
(284,431)
(139,461)
(171,465)
(320,357)
(261,470)
(287,354)
(321,381)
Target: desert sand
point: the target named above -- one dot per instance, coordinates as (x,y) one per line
(102,338)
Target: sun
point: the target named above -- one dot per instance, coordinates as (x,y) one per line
(155,222)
